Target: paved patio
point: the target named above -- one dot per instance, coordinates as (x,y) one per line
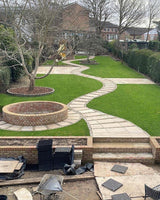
(133,180)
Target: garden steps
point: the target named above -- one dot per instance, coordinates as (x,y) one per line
(108,139)
(122,147)
(129,149)
(145,158)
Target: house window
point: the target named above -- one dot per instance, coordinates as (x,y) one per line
(108,29)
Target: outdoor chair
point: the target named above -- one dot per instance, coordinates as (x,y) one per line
(153,193)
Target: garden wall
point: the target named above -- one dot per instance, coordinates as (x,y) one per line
(26,146)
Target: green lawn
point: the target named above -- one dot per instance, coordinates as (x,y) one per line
(109,68)
(78,129)
(67,87)
(139,104)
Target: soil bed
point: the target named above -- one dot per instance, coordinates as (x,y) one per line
(85,62)
(37,91)
(81,190)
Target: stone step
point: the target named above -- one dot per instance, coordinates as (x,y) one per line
(103,139)
(77,163)
(122,147)
(78,154)
(145,158)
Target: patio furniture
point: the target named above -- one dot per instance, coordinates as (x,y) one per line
(154,192)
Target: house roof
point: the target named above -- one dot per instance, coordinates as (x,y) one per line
(106,24)
(136,30)
(75,3)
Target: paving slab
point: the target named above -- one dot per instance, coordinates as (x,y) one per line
(131,80)
(132,185)
(103,169)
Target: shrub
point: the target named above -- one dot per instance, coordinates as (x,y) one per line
(154,45)
(5,76)
(17,71)
(154,67)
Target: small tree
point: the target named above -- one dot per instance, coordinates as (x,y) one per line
(35,24)
(92,45)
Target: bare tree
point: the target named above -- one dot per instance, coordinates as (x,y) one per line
(128,13)
(35,24)
(99,13)
(153,10)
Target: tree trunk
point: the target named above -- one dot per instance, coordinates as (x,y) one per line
(31,84)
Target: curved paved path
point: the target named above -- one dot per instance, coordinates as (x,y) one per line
(99,123)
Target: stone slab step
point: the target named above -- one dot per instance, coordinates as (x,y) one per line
(122,147)
(78,154)
(77,163)
(103,139)
(145,158)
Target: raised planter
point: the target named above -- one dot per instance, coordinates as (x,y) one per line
(34,113)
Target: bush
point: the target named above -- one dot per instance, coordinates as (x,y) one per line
(17,71)
(154,45)
(154,67)
(5,76)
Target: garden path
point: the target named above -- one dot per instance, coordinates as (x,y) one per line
(99,123)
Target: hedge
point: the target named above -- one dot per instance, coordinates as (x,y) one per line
(154,45)
(145,61)
(5,77)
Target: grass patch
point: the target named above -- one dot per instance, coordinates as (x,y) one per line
(51,62)
(109,68)
(80,56)
(67,88)
(78,129)
(139,104)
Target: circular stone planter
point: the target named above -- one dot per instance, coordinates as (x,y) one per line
(34,113)
(23,91)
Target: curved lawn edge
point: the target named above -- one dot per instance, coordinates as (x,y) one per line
(109,68)
(139,104)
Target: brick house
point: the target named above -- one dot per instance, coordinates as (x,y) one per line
(75,20)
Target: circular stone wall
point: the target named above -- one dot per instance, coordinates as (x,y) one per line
(35,113)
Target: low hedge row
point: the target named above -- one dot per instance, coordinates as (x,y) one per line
(154,45)
(145,61)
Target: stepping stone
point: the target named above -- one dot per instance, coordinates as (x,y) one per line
(23,194)
(119,169)
(112,185)
(123,196)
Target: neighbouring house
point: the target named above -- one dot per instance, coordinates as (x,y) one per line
(109,31)
(75,20)
(152,35)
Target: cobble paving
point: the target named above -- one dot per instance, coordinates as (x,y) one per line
(99,123)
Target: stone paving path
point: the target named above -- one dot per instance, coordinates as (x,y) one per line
(99,123)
